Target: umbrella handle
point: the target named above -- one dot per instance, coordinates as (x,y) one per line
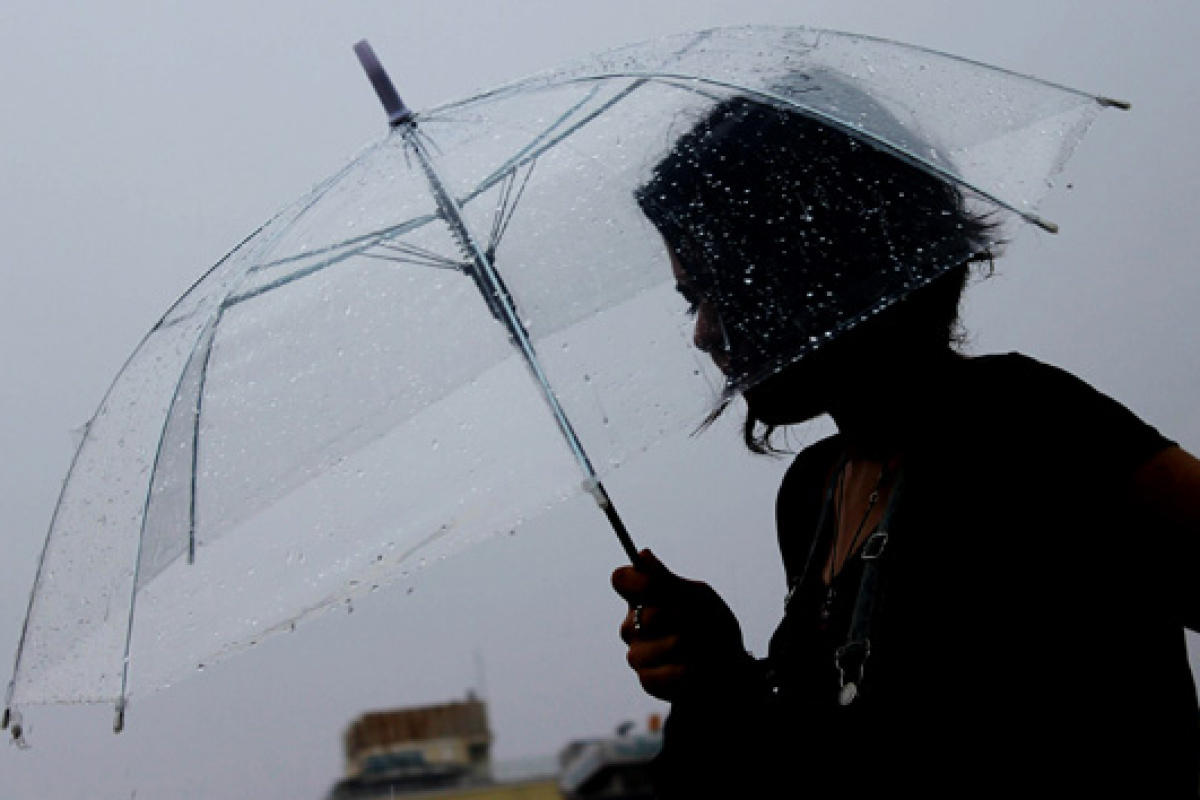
(596,489)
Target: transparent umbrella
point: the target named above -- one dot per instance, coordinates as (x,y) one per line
(349,391)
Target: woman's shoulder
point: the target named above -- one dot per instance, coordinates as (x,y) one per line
(1016,371)
(1019,389)
(800,493)
(1023,399)
(1021,381)
(813,463)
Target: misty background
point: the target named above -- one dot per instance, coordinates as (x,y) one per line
(140,141)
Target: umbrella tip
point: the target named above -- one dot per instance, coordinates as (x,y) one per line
(119,716)
(398,113)
(13,723)
(1109,102)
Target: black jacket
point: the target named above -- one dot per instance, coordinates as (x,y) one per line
(1028,639)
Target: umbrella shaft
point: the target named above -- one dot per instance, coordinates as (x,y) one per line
(500,302)
(596,489)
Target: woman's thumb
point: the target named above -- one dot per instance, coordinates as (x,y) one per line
(649,564)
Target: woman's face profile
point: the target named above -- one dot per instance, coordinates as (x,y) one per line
(792,395)
(709,333)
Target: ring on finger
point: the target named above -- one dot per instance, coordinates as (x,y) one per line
(637,618)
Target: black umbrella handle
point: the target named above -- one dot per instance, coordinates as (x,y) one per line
(596,489)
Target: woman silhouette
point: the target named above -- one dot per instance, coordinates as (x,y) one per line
(988,565)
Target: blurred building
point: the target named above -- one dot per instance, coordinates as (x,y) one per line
(436,751)
(613,767)
(443,752)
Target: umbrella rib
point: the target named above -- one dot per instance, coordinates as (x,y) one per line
(205,341)
(210,325)
(508,206)
(541,81)
(533,150)
(362,243)
(208,336)
(341,250)
(851,130)
(33,595)
(528,154)
(501,207)
(451,266)
(541,143)
(358,245)
(411,254)
(18,661)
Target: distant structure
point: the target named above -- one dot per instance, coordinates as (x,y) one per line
(443,752)
(437,751)
(611,767)
(433,745)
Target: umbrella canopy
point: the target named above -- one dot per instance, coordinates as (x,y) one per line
(348,392)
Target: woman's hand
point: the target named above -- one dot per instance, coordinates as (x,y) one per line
(682,637)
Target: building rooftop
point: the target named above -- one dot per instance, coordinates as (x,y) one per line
(381,729)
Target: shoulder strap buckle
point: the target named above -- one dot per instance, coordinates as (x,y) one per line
(873,547)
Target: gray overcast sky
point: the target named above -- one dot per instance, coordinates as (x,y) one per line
(141,139)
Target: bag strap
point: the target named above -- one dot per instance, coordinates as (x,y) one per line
(852,656)
(795,580)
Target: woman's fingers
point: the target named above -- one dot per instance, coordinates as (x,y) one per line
(675,629)
(642,623)
(659,668)
(637,582)
(665,683)
(632,584)
(653,653)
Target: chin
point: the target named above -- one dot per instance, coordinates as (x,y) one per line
(775,401)
(803,390)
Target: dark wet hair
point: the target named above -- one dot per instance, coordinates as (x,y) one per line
(797,231)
